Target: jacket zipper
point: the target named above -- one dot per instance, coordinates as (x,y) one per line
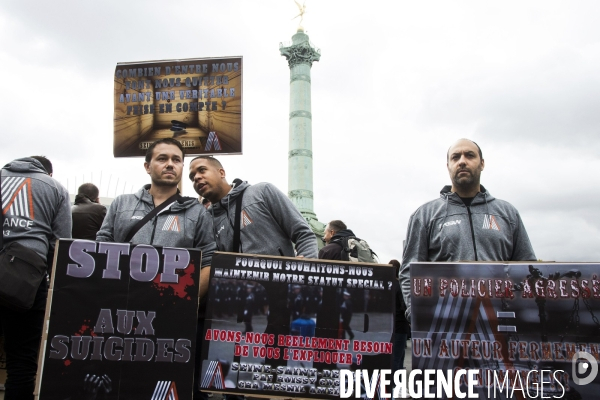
(153,229)
(472,232)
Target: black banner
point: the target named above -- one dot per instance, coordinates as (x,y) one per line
(285,327)
(122,322)
(521,325)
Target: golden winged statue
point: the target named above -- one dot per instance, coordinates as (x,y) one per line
(302,9)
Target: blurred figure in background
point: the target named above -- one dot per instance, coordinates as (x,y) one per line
(87,212)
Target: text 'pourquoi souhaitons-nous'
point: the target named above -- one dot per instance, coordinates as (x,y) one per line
(303,273)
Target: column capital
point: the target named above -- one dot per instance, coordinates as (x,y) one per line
(301,53)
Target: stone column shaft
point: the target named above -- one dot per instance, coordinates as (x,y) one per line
(300,55)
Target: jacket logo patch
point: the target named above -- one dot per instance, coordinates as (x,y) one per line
(245,219)
(456,222)
(17,198)
(489,222)
(171,224)
(137,217)
(165,390)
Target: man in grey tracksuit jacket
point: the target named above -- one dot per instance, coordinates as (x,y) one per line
(175,226)
(270,223)
(465,224)
(36,211)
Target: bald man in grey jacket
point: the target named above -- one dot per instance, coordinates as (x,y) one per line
(466,223)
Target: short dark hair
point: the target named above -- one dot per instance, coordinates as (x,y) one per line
(336,225)
(89,190)
(45,163)
(478,149)
(212,160)
(170,141)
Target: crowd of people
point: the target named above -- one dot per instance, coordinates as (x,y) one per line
(465,223)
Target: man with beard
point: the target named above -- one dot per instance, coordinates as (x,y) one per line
(177,224)
(466,223)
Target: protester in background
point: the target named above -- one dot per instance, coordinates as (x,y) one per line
(88,214)
(401,325)
(466,223)
(176,225)
(334,232)
(36,212)
(343,245)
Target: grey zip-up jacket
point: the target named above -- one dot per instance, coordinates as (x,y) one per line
(175,226)
(270,223)
(446,230)
(37,208)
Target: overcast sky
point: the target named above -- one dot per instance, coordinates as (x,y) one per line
(397,83)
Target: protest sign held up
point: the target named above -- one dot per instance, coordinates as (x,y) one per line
(520,325)
(285,327)
(197,101)
(122,321)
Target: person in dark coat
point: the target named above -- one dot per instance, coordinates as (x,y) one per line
(87,212)
(334,232)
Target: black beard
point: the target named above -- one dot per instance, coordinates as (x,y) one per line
(464,181)
(165,183)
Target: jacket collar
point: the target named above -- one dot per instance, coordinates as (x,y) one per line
(26,164)
(480,198)
(82,199)
(237,187)
(184,202)
(343,233)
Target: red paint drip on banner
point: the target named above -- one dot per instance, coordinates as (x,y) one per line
(85,328)
(67,363)
(186,280)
